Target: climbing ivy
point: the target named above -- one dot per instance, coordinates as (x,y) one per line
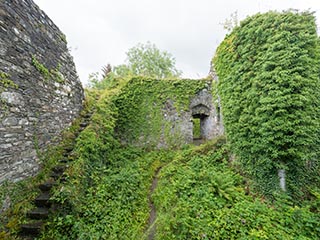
(140,107)
(41,68)
(48,73)
(268,72)
(5,83)
(107,188)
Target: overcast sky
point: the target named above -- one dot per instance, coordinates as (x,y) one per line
(101,31)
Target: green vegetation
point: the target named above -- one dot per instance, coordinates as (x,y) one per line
(199,196)
(196,128)
(144,60)
(20,195)
(5,84)
(57,75)
(105,193)
(269,87)
(46,73)
(140,108)
(105,202)
(268,71)
(63,38)
(109,81)
(41,68)
(200,193)
(148,60)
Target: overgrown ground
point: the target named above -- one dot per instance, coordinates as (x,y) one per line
(200,194)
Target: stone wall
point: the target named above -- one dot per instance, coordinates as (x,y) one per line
(153,113)
(39,88)
(181,122)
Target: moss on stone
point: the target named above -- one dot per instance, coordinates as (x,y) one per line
(53,73)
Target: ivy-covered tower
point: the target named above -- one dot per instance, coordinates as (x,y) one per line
(268,70)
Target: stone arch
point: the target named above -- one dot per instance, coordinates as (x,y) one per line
(200,110)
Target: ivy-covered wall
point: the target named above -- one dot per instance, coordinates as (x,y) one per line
(159,113)
(40,92)
(268,70)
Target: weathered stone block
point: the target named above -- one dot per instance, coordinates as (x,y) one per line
(13,98)
(10,121)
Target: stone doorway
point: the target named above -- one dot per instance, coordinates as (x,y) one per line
(196,130)
(200,128)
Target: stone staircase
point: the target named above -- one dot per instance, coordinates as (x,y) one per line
(198,141)
(44,206)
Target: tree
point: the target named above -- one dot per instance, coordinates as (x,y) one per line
(148,60)
(122,70)
(143,60)
(106,70)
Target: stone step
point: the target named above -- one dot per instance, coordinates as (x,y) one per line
(38,213)
(66,154)
(68,149)
(88,115)
(198,141)
(46,186)
(43,200)
(61,177)
(56,175)
(84,124)
(82,128)
(76,134)
(59,169)
(31,229)
(64,160)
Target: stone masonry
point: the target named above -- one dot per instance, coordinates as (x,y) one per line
(46,95)
(201,106)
